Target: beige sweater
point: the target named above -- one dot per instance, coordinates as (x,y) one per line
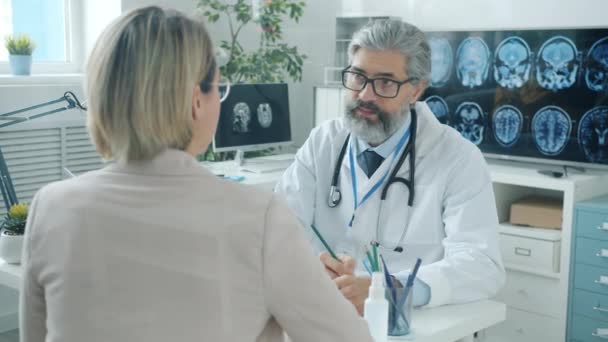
(165,251)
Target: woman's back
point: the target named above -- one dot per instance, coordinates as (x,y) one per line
(164,250)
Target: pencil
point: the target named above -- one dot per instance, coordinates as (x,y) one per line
(331,252)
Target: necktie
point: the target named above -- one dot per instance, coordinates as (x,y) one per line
(369,161)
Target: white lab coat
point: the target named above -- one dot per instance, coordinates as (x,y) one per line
(452,225)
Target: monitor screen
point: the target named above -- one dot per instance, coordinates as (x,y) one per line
(526,94)
(254,116)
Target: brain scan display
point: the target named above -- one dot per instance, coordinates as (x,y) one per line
(557,64)
(439,107)
(507,124)
(593,134)
(596,73)
(241,118)
(469,120)
(551,127)
(472,62)
(442,59)
(265,115)
(512,62)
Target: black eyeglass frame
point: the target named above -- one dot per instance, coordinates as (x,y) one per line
(347,70)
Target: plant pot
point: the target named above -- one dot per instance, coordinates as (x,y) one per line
(10,247)
(21,65)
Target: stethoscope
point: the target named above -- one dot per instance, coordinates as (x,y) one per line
(335,195)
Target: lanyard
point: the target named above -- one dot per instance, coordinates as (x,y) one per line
(376,186)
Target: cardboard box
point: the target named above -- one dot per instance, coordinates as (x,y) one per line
(541,212)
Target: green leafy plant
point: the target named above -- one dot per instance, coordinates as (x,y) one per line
(273,61)
(15,219)
(19,45)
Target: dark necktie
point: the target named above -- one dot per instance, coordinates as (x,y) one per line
(369,161)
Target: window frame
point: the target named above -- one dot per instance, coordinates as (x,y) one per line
(74,38)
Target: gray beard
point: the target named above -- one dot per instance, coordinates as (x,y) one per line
(373,133)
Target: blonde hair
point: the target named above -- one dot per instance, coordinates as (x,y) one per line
(139,81)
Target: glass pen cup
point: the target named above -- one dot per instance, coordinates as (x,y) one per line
(399,310)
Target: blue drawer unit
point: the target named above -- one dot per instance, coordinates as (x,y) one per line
(588,290)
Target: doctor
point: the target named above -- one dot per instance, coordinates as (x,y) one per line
(389,172)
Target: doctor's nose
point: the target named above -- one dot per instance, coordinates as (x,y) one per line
(367,94)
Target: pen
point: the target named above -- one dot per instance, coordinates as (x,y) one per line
(410,279)
(331,252)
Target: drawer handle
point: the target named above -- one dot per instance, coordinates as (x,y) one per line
(523,251)
(600,309)
(603,253)
(605,337)
(602,281)
(603,227)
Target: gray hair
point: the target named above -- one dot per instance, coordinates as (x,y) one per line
(392,34)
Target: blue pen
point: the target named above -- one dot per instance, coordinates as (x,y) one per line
(388,278)
(410,279)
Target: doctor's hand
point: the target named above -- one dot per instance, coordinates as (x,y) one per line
(355,289)
(335,268)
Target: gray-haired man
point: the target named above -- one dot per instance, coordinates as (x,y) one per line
(388,173)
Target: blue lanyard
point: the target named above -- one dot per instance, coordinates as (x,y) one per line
(376,186)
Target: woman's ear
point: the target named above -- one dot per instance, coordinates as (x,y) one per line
(197,107)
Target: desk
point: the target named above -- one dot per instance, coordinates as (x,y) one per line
(447,323)
(451,323)
(266,180)
(10,275)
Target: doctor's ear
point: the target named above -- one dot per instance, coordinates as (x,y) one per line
(419,89)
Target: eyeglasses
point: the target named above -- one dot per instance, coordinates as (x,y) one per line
(222,87)
(383,87)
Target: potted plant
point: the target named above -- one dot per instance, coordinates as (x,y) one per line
(20,48)
(11,233)
(272,61)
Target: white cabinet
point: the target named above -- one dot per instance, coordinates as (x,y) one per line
(536,289)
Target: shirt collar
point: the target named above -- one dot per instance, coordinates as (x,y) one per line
(389,145)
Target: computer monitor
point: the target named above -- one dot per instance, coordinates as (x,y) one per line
(253,117)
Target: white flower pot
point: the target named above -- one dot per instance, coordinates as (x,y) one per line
(10,247)
(21,65)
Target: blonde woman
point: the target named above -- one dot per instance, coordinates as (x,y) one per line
(154,247)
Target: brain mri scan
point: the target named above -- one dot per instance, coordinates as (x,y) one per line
(469,120)
(596,73)
(557,64)
(265,115)
(473,62)
(551,127)
(507,124)
(442,59)
(439,107)
(241,117)
(593,134)
(512,63)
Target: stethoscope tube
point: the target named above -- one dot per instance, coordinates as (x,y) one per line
(335,196)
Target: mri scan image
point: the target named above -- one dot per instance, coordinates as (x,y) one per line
(265,115)
(469,120)
(439,107)
(512,63)
(507,123)
(551,127)
(442,59)
(473,62)
(596,73)
(241,118)
(593,134)
(557,64)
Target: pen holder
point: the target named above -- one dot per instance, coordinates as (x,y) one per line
(399,311)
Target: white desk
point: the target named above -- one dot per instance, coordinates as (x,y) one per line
(448,323)
(10,275)
(265,180)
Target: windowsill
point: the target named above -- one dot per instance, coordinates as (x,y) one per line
(41,79)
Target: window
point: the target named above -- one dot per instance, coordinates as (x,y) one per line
(50,24)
